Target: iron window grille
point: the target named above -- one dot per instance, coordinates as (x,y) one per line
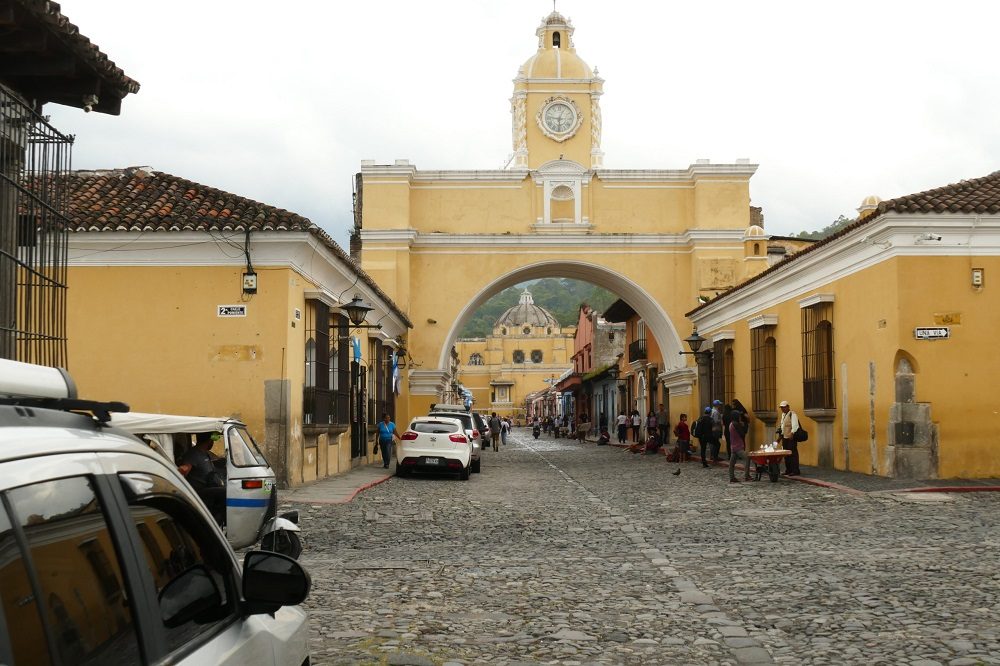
(763,369)
(817,357)
(518,356)
(723,371)
(536,356)
(35,162)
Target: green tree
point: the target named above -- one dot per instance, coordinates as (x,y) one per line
(828,230)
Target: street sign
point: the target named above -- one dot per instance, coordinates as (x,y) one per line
(232,310)
(931,332)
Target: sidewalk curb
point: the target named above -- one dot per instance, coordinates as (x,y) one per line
(344,500)
(942,489)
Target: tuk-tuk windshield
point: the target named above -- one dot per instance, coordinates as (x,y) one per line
(243,450)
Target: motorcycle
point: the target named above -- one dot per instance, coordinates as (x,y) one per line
(251,491)
(536,431)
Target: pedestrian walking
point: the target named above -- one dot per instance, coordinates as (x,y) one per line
(788,423)
(717,429)
(662,424)
(737,445)
(622,422)
(583,426)
(495,431)
(727,418)
(636,425)
(504,430)
(703,430)
(386,438)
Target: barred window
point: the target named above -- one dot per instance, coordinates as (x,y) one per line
(763,369)
(518,356)
(316,389)
(476,359)
(817,356)
(327,376)
(723,373)
(536,356)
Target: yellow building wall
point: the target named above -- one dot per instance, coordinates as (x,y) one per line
(151,337)
(875,312)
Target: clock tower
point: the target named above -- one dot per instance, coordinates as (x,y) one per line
(556,104)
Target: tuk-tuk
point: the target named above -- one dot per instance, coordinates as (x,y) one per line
(251,492)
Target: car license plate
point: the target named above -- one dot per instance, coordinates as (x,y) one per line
(431,461)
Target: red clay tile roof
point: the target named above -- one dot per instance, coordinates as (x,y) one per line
(978,195)
(48,15)
(973,196)
(140,199)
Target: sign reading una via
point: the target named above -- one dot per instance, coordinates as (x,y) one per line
(931,332)
(232,310)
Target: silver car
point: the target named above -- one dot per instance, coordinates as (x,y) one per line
(110,557)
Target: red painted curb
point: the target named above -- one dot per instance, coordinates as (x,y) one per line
(362,488)
(946,489)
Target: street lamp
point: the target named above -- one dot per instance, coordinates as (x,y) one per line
(704,361)
(356,311)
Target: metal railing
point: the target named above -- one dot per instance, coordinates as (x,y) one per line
(35,160)
(637,351)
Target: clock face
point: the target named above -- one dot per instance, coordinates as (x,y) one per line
(559,118)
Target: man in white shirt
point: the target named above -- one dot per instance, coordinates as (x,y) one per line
(788,423)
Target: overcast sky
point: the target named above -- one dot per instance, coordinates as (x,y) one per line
(280,102)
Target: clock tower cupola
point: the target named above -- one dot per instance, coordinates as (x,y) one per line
(556,104)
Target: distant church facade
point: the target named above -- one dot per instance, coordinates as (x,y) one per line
(524,353)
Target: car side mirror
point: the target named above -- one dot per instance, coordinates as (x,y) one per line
(272,580)
(188,596)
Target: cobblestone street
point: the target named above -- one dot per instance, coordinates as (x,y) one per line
(577,554)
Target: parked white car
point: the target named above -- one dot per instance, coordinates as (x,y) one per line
(110,557)
(475,429)
(434,444)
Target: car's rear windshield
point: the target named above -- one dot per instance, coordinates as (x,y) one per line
(464,418)
(433,427)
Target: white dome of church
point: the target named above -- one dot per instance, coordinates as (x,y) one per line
(556,57)
(526,313)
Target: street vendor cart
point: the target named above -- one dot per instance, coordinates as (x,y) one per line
(767,459)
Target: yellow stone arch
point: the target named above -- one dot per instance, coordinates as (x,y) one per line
(658,323)
(441,243)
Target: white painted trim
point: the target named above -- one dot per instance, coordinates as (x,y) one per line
(694,171)
(723,335)
(689,242)
(887,237)
(763,320)
(323,296)
(465,187)
(298,251)
(815,299)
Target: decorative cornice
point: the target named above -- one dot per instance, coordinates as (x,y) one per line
(815,299)
(723,335)
(695,171)
(569,234)
(763,320)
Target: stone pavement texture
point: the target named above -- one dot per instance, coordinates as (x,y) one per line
(567,553)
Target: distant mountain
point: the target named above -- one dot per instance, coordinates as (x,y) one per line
(560,296)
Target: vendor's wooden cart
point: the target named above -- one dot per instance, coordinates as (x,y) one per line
(767,460)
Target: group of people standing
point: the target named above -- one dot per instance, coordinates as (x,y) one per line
(719,423)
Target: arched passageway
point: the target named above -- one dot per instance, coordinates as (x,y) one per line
(658,324)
